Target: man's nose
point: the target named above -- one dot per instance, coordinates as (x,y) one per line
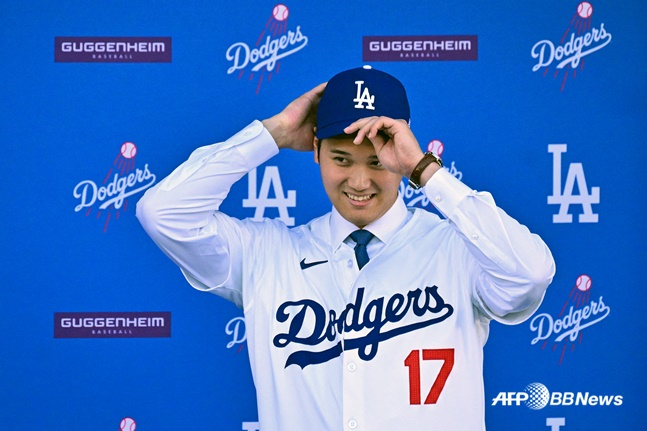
(360,178)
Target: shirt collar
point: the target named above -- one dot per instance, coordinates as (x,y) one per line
(383,228)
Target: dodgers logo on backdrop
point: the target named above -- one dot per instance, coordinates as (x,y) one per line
(555,424)
(536,396)
(274,43)
(237,329)
(578,313)
(262,201)
(567,55)
(566,197)
(110,196)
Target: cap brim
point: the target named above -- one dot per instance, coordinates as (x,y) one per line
(333,129)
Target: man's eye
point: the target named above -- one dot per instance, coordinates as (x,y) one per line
(340,159)
(376,164)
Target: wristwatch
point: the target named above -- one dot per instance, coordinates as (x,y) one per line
(427,159)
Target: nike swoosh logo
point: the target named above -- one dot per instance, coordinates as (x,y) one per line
(307,265)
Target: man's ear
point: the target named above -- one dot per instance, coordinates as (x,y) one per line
(316,144)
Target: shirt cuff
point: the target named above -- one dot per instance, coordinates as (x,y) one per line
(445,191)
(255,144)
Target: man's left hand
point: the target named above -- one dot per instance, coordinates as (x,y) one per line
(395,145)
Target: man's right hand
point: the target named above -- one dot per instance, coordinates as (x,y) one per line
(294,126)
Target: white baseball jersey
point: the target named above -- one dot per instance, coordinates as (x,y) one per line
(394,346)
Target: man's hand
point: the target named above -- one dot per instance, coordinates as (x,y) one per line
(294,126)
(396,147)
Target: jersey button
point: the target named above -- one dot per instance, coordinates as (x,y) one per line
(351,367)
(352,424)
(349,263)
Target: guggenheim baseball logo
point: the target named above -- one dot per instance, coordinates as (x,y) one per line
(536,396)
(112,49)
(420,48)
(112,325)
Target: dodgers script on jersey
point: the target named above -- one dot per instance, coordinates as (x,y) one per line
(395,345)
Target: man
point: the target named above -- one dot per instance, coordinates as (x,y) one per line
(373,316)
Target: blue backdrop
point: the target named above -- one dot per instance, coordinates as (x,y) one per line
(540,103)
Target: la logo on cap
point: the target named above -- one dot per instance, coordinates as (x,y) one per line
(363,97)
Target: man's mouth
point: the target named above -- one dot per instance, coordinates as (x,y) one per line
(358,198)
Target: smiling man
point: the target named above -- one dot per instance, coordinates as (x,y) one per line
(358,186)
(373,316)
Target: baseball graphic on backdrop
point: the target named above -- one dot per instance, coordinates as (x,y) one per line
(128,150)
(585,10)
(583,282)
(280,12)
(127,424)
(436,147)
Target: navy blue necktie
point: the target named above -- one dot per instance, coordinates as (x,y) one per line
(361,237)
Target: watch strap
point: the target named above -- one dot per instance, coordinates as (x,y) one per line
(427,159)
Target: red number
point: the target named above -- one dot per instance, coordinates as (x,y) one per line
(413,362)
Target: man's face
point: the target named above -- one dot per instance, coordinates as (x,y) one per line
(355,181)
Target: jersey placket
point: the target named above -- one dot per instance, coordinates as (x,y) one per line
(353,383)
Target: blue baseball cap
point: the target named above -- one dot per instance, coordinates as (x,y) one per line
(359,93)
